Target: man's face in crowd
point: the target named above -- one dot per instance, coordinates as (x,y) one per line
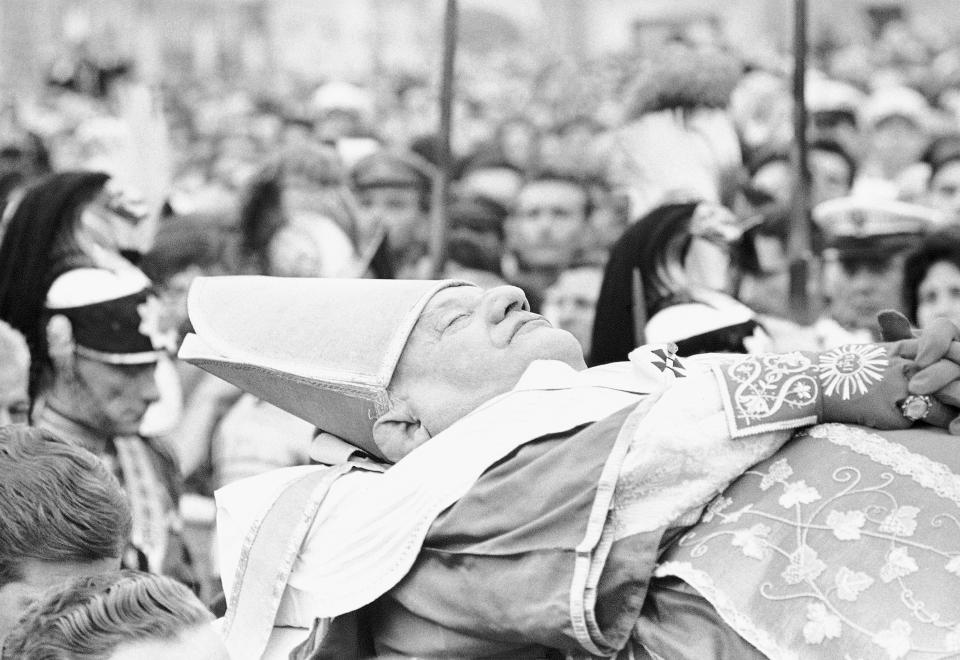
(547,228)
(829,178)
(196,643)
(111,398)
(571,303)
(470,345)
(36,577)
(767,291)
(945,190)
(939,294)
(398,209)
(14,400)
(897,142)
(865,287)
(774,178)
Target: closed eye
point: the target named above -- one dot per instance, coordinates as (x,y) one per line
(454,321)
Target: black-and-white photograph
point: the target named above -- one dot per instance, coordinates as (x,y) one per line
(504,329)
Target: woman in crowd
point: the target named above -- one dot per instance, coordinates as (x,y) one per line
(931,279)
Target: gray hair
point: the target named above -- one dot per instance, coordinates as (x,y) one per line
(88,618)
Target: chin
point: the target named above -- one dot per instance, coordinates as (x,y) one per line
(549,343)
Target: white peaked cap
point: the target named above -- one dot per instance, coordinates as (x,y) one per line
(322,349)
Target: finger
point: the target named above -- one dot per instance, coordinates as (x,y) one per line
(940,415)
(906,348)
(894,325)
(934,378)
(936,340)
(950,394)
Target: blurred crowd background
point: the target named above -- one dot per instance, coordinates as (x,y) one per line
(628,164)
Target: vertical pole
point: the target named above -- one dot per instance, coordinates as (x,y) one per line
(438,233)
(800,252)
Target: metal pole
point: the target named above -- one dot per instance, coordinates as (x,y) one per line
(800,251)
(438,233)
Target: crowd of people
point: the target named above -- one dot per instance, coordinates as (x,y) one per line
(642,198)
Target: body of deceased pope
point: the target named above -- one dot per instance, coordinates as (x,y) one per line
(483,494)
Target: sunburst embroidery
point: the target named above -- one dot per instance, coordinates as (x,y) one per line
(851,370)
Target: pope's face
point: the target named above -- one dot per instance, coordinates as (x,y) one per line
(471,345)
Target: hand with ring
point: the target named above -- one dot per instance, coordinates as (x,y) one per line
(934,384)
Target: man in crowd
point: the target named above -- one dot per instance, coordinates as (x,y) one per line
(866,244)
(103,335)
(897,122)
(546,232)
(832,171)
(393,189)
(62,516)
(148,616)
(474,368)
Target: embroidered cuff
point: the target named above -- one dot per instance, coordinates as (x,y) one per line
(771,392)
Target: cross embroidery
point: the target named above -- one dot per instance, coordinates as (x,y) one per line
(668,362)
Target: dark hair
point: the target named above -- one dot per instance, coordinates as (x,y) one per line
(644,247)
(58,502)
(942,151)
(90,617)
(935,248)
(202,240)
(35,250)
(260,218)
(822,144)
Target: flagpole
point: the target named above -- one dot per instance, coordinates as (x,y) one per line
(799,247)
(441,188)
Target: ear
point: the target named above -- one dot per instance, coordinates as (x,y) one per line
(60,345)
(398,432)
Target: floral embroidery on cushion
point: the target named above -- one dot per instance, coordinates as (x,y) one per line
(954,566)
(846,525)
(899,564)
(863,537)
(850,584)
(901,522)
(805,565)
(752,541)
(821,624)
(797,492)
(895,640)
(779,472)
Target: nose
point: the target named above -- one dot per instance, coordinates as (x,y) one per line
(500,301)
